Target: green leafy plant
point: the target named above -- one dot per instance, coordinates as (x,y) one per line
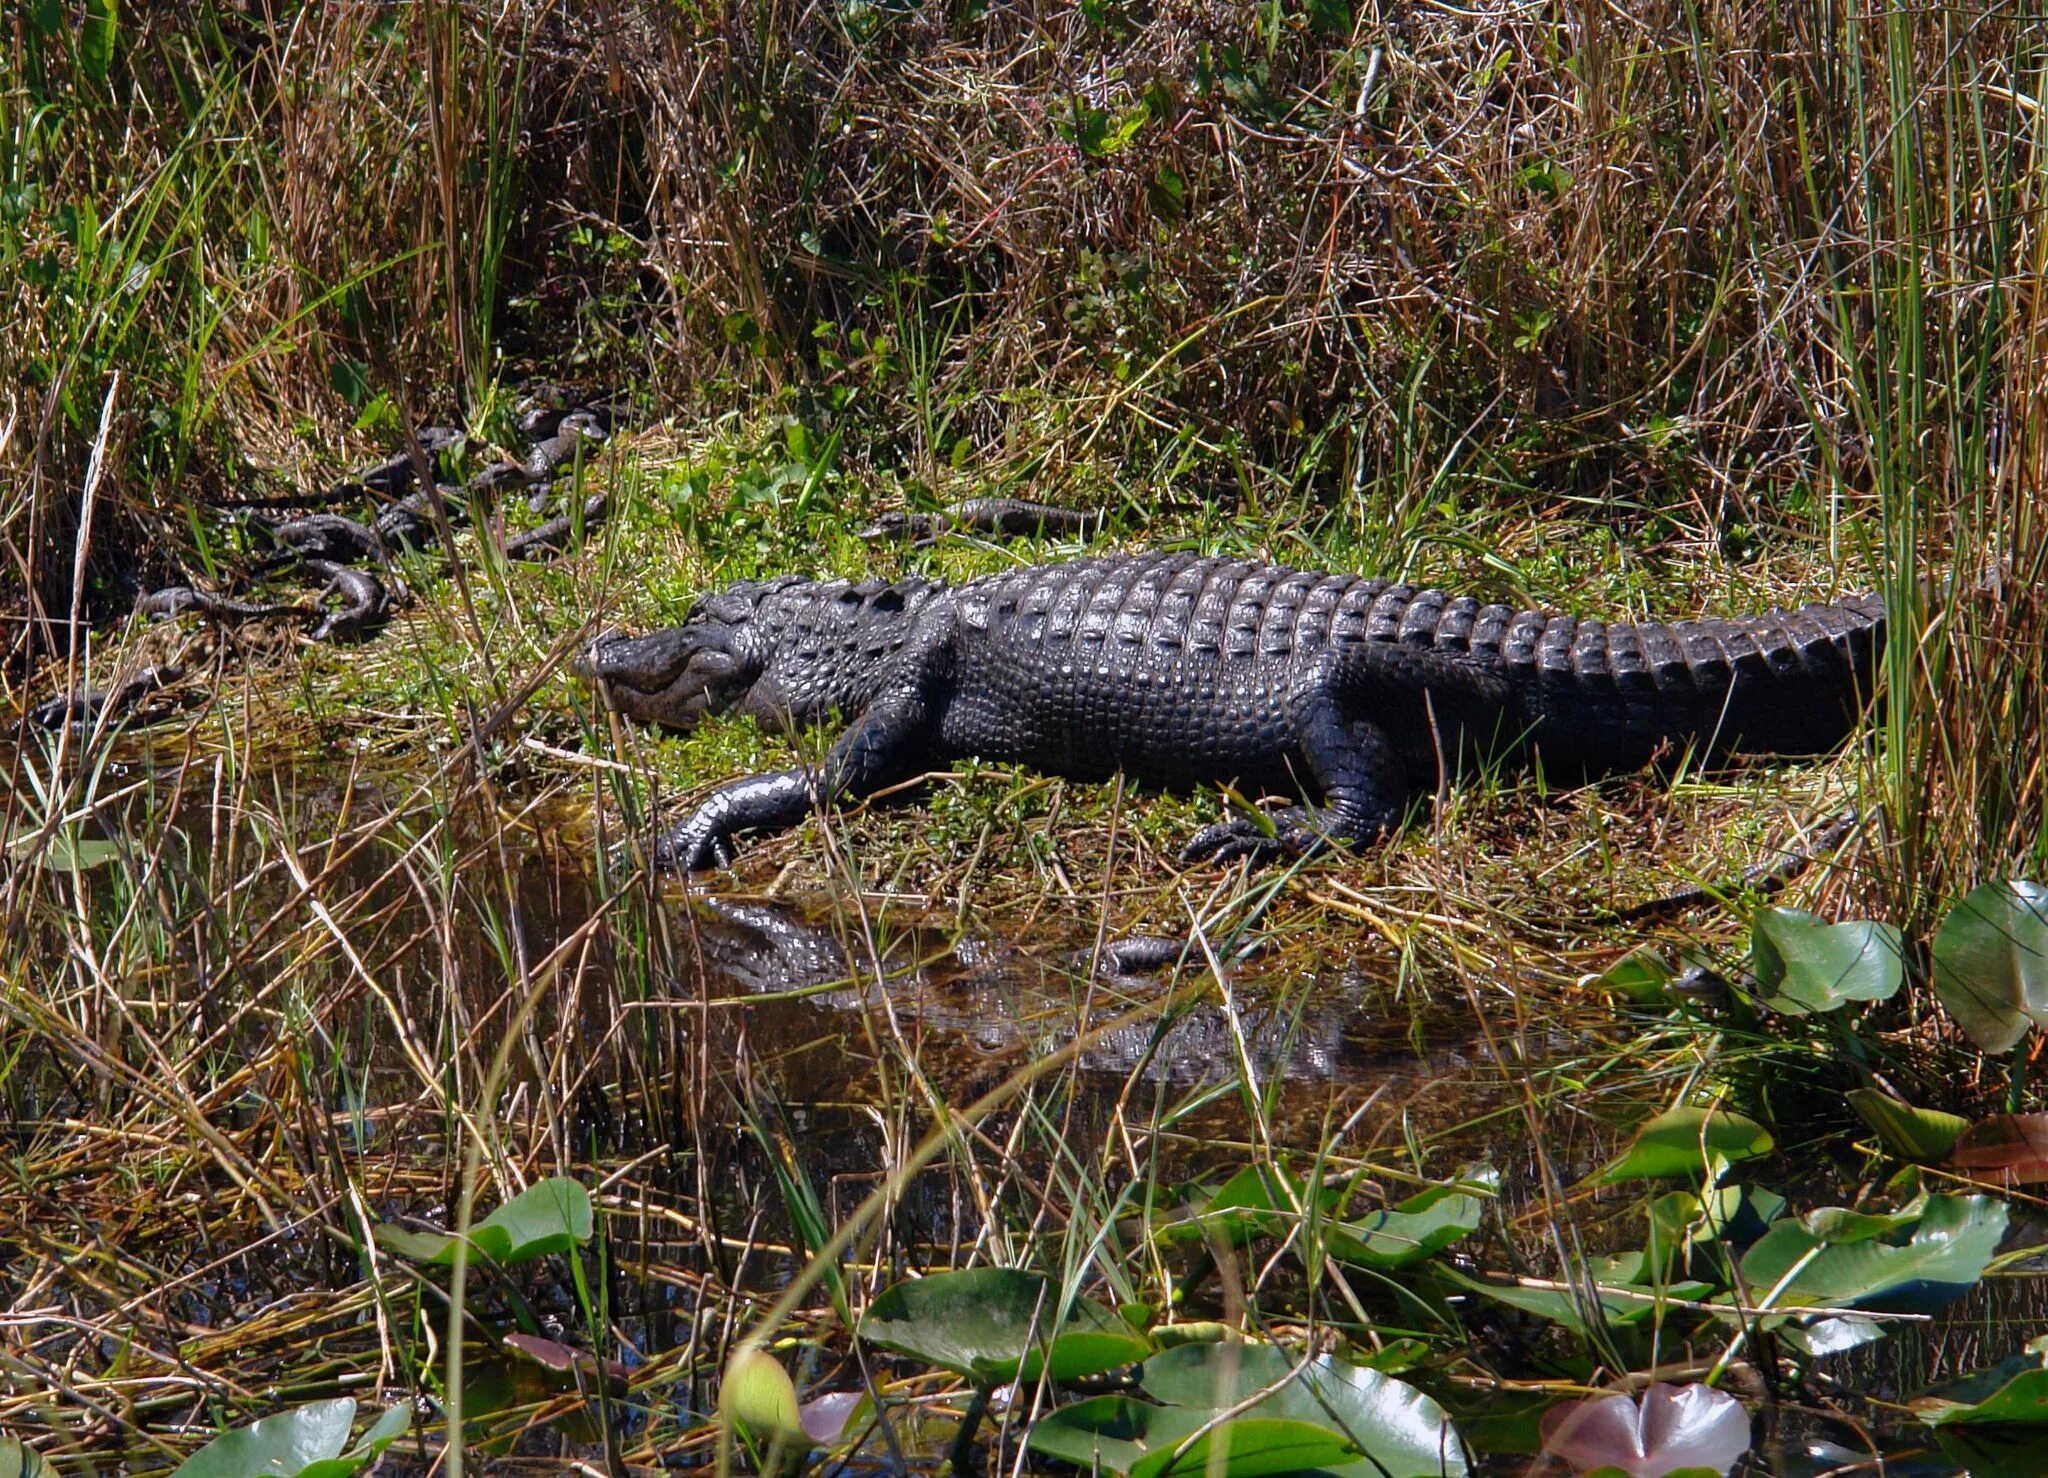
(304,1442)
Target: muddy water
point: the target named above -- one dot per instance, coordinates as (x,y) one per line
(674,1044)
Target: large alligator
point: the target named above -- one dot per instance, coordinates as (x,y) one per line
(1357,693)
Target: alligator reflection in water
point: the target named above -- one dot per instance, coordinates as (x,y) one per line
(1000,997)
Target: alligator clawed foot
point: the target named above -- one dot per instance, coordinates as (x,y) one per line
(1285,833)
(693,847)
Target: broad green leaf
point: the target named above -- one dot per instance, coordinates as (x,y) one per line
(19,1460)
(757,1400)
(1402,1432)
(1418,1227)
(305,1442)
(1139,1440)
(1641,976)
(1918,1134)
(1258,1201)
(67,852)
(2011,1393)
(1678,1144)
(1620,1304)
(1803,963)
(550,1216)
(96,35)
(1991,962)
(1839,1259)
(991,1324)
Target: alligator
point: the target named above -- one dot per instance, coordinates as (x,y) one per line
(85,707)
(183,600)
(1357,694)
(365,605)
(1003,518)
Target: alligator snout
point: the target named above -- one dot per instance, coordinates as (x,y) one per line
(673,677)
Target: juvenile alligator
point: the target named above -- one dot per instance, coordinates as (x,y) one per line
(1004,518)
(86,706)
(1359,694)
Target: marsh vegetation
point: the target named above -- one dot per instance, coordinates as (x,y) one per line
(1648,311)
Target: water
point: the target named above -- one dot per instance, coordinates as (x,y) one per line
(300,996)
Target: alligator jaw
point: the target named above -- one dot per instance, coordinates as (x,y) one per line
(673,677)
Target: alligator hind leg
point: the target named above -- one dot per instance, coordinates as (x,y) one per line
(1370,716)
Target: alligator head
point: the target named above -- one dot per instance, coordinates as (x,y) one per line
(677,676)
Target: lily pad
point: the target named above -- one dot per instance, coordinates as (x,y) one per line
(2011,1393)
(1927,1256)
(1991,963)
(995,1324)
(66,851)
(1805,964)
(1401,1432)
(549,1216)
(2013,1148)
(757,1400)
(1917,1134)
(1680,1143)
(1621,1304)
(1116,1434)
(19,1460)
(1418,1227)
(305,1442)
(1258,1201)
(1641,976)
(1675,1429)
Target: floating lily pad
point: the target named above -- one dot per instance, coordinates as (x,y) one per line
(993,1324)
(1675,1429)
(2013,1148)
(1921,1135)
(1258,1201)
(1401,1432)
(65,851)
(1641,976)
(1805,964)
(1991,963)
(550,1216)
(1418,1227)
(1920,1259)
(305,1442)
(1116,1434)
(1621,1303)
(2010,1393)
(1679,1144)
(19,1460)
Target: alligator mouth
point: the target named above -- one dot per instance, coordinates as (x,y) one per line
(673,678)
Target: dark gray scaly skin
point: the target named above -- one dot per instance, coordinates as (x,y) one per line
(322,536)
(397,474)
(1003,518)
(552,537)
(365,605)
(87,706)
(1178,670)
(183,600)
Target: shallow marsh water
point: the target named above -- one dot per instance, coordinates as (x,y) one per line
(352,980)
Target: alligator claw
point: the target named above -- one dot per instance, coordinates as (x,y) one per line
(1287,832)
(694,847)
(1226,841)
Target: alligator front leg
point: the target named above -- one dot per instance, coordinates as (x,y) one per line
(884,746)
